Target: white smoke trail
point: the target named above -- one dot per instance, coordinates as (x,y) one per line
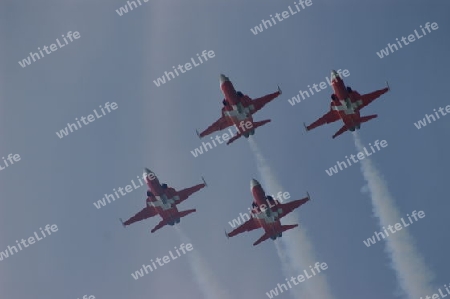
(295,251)
(204,277)
(413,274)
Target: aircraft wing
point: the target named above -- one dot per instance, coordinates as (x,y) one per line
(286,208)
(370,97)
(327,118)
(185,193)
(219,125)
(249,225)
(259,103)
(145,213)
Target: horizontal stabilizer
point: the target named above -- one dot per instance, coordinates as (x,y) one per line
(185,213)
(159,225)
(164,222)
(235,137)
(367,118)
(263,238)
(255,125)
(261,123)
(341,130)
(288,227)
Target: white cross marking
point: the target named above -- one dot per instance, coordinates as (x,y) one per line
(165,206)
(347,110)
(268,219)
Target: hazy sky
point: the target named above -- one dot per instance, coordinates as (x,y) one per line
(116,58)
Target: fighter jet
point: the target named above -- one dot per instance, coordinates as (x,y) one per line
(237,110)
(163,200)
(346,105)
(266,214)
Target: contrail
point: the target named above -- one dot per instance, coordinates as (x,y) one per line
(294,249)
(412,273)
(204,277)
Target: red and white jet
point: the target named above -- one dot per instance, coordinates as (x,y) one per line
(266,213)
(346,104)
(238,110)
(163,200)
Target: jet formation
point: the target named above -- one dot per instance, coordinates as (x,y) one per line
(238,110)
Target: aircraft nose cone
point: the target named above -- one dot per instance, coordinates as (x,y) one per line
(223,78)
(147,172)
(253,183)
(334,75)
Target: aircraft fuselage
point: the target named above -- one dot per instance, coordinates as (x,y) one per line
(239,112)
(161,199)
(266,213)
(344,104)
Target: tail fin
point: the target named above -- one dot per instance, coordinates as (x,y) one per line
(341,130)
(367,118)
(263,238)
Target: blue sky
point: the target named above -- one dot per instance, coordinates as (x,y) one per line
(118,57)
